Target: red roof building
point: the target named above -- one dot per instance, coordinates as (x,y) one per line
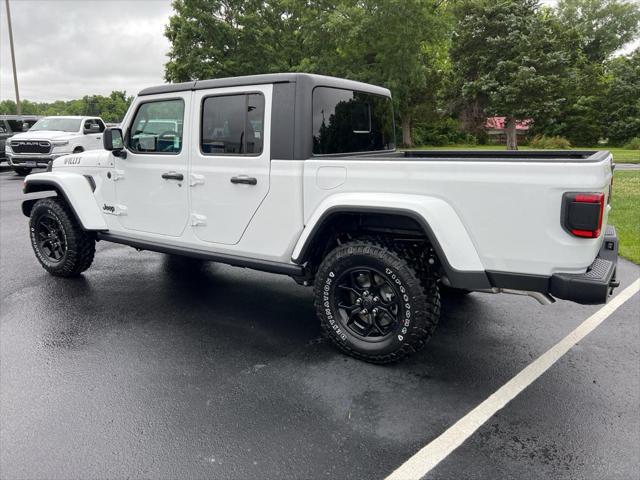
(494,126)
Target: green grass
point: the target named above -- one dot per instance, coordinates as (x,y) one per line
(625,213)
(620,155)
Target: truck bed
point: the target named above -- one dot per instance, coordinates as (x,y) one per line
(571,156)
(509,156)
(506,203)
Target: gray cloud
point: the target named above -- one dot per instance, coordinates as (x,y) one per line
(69,48)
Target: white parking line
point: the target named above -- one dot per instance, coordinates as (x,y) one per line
(436,451)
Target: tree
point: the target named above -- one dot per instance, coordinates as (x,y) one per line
(592,31)
(621,114)
(221,38)
(111,108)
(507,57)
(599,27)
(400,44)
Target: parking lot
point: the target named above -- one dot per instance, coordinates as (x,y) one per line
(150,366)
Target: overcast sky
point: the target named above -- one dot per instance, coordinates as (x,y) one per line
(66,49)
(69,48)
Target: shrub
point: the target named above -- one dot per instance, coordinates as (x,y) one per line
(445,131)
(551,143)
(634,144)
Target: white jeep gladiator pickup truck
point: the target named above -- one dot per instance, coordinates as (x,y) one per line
(50,138)
(297,174)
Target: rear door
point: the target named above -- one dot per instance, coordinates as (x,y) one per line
(230,160)
(151,183)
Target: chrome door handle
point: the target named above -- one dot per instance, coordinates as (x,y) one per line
(172,176)
(245,180)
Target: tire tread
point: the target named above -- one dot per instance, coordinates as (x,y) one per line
(419,334)
(81,245)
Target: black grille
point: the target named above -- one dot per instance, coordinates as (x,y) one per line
(30,146)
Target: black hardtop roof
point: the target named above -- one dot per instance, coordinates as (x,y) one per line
(311,80)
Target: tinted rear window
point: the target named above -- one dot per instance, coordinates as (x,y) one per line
(347,121)
(233,124)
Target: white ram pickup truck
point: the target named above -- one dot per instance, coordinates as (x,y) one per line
(50,138)
(298,175)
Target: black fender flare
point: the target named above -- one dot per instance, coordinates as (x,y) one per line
(470,280)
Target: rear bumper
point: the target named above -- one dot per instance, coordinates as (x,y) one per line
(596,285)
(590,288)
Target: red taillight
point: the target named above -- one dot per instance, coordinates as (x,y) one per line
(586,233)
(583,214)
(589,198)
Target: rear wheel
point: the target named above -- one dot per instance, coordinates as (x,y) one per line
(60,243)
(373,304)
(22,171)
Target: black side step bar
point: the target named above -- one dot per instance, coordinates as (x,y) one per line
(235,260)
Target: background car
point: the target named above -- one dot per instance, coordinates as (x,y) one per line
(12,124)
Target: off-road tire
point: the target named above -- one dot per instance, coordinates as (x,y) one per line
(419,294)
(80,244)
(22,171)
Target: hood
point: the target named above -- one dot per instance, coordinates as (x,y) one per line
(44,135)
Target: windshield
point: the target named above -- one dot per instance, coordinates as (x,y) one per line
(57,124)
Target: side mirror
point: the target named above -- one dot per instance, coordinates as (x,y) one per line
(113,141)
(25,127)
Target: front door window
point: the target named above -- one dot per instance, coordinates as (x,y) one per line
(157,127)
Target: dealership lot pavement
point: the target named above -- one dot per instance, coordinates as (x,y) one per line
(150,366)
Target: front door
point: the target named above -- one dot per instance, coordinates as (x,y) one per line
(151,183)
(229,176)
(92,131)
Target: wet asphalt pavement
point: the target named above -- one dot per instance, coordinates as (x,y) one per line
(154,367)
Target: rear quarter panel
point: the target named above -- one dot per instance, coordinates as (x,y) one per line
(510,211)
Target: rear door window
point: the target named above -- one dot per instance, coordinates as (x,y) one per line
(232,124)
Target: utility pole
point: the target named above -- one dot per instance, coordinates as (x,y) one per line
(13,60)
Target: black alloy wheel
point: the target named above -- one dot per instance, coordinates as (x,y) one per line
(51,238)
(368,303)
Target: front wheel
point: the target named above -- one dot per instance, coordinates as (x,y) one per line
(60,243)
(22,171)
(373,304)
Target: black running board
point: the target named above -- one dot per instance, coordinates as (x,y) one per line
(235,260)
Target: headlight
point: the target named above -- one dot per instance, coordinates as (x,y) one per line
(60,143)
(7,147)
